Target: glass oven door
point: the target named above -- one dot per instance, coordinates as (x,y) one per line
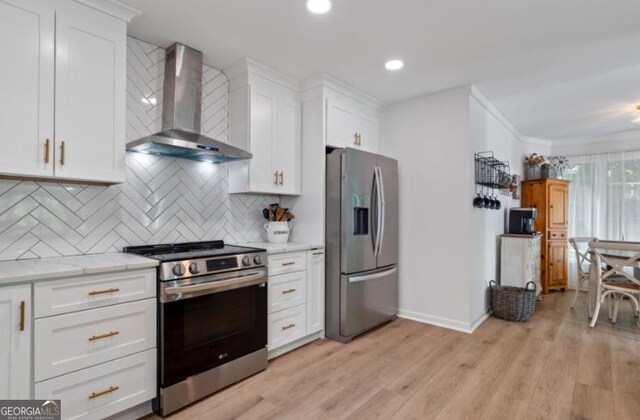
(208,322)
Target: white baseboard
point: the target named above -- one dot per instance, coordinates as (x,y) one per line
(451,324)
(133,413)
(436,320)
(294,345)
(475,324)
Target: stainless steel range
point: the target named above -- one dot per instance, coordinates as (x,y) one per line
(212,327)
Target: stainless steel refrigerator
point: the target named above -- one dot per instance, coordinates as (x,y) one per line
(362,242)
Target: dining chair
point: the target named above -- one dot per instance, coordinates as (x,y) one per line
(614,279)
(581,248)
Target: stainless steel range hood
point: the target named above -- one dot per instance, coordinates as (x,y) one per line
(182,109)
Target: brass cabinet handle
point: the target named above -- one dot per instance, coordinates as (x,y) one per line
(355,138)
(46,150)
(284,292)
(102,292)
(100,336)
(286,327)
(62,152)
(318,253)
(289,263)
(22,315)
(359,139)
(103,392)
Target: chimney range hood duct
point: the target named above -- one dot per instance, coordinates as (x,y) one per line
(182,109)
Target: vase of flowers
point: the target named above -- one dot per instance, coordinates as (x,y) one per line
(533,164)
(559,164)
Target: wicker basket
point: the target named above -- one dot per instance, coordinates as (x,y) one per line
(513,303)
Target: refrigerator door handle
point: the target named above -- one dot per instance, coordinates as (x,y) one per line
(374,212)
(372,276)
(381,210)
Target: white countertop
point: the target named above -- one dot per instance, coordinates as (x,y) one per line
(25,271)
(285,247)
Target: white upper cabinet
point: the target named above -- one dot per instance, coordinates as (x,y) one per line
(265,117)
(15,342)
(90,94)
(68,77)
(352,124)
(26,82)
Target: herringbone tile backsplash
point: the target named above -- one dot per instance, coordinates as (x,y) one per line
(162,199)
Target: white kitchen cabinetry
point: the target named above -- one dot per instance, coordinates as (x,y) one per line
(95,342)
(265,118)
(26,83)
(315,290)
(296,299)
(334,115)
(68,74)
(104,390)
(15,342)
(352,124)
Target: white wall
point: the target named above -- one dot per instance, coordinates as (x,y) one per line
(449,251)
(490,131)
(430,138)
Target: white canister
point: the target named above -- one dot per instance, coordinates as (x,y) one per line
(277,232)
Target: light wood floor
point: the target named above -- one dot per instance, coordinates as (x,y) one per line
(553,367)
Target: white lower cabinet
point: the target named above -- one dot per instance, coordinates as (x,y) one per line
(287,263)
(78,340)
(287,290)
(286,326)
(103,390)
(88,292)
(296,299)
(315,290)
(95,342)
(15,342)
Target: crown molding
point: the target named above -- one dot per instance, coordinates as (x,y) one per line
(113,8)
(247,66)
(325,80)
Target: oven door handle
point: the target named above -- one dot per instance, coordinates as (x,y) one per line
(219,285)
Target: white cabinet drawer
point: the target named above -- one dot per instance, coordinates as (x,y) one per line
(103,390)
(287,263)
(70,342)
(287,326)
(287,290)
(88,292)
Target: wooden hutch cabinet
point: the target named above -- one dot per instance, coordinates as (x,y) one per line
(551,199)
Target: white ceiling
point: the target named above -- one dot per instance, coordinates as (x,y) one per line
(554,68)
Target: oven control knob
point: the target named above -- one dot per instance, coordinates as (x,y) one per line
(257,259)
(193,268)
(246,261)
(178,270)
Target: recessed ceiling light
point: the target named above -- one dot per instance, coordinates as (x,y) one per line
(319,6)
(394,64)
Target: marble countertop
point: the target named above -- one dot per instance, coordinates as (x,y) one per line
(282,248)
(26,271)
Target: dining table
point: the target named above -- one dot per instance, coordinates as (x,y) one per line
(614,255)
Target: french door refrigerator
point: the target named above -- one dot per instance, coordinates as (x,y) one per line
(362,242)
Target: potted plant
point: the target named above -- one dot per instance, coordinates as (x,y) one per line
(533,164)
